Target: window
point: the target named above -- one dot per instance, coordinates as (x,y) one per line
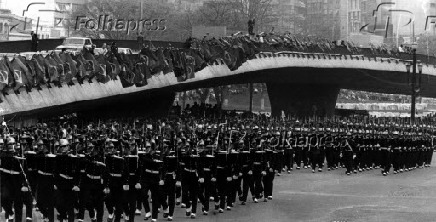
(1,27)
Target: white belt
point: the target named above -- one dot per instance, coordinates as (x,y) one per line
(191,171)
(206,169)
(132,174)
(152,171)
(94,177)
(44,173)
(65,177)
(170,173)
(9,171)
(116,174)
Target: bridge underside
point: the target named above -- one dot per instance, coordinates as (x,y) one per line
(296,90)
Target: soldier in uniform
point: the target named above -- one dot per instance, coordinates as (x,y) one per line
(192,172)
(170,172)
(347,151)
(289,145)
(13,182)
(131,166)
(46,170)
(92,184)
(115,182)
(313,150)
(246,161)
(66,181)
(30,173)
(207,163)
(151,178)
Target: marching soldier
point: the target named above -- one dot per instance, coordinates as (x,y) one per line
(150,179)
(170,171)
(207,163)
(115,183)
(46,170)
(290,141)
(66,181)
(92,184)
(13,182)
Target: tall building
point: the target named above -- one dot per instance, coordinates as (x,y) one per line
(291,15)
(47,18)
(325,18)
(339,19)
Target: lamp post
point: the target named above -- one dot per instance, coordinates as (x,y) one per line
(415,88)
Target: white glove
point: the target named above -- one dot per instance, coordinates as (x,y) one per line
(24,189)
(55,187)
(250,172)
(178,184)
(263,173)
(106,190)
(235,177)
(125,187)
(138,186)
(213,179)
(229,179)
(276,171)
(76,188)
(271,170)
(201,180)
(240,174)
(161,182)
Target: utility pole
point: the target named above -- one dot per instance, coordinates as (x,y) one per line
(251,97)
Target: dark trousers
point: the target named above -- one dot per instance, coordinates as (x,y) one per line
(184,182)
(314,159)
(222,187)
(114,200)
(288,158)
(45,199)
(268,183)
(257,177)
(93,198)
(298,156)
(385,160)
(348,161)
(396,159)
(192,188)
(329,157)
(247,184)
(205,190)
(66,199)
(305,155)
(170,193)
(152,184)
(130,199)
(11,195)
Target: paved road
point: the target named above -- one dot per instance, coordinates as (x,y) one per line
(333,196)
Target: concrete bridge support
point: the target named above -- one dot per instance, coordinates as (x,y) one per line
(302,99)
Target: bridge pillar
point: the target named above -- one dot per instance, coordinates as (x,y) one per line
(302,99)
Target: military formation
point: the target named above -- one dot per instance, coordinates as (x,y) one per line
(123,167)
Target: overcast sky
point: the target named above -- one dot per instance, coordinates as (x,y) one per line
(415,6)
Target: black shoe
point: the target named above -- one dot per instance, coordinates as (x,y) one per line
(243,203)
(188,213)
(217,207)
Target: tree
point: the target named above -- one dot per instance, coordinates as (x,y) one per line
(177,25)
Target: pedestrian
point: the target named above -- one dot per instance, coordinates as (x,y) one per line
(34,42)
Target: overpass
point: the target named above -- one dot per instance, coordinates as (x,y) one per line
(297,83)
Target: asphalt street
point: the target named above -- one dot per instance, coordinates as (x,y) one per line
(333,196)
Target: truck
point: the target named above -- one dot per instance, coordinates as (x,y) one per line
(75,44)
